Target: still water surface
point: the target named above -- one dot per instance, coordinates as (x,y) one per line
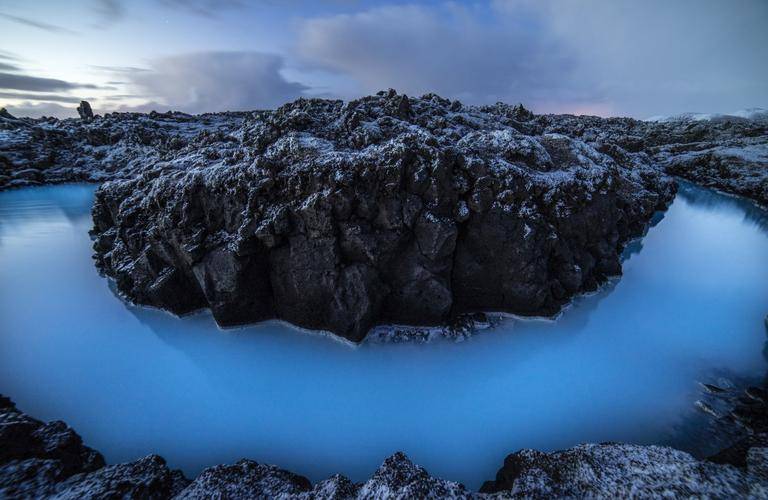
(621,365)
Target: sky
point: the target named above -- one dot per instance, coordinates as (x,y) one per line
(601,57)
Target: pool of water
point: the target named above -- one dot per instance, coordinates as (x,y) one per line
(620,365)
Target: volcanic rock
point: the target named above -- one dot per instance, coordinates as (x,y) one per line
(341,217)
(85,111)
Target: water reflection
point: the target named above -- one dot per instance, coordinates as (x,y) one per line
(623,364)
(717,203)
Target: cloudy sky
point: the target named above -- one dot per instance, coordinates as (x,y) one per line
(604,57)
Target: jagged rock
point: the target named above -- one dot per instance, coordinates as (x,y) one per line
(737,454)
(85,111)
(336,487)
(25,438)
(38,462)
(727,153)
(435,211)
(5,114)
(520,113)
(623,471)
(398,477)
(385,209)
(148,478)
(49,459)
(245,479)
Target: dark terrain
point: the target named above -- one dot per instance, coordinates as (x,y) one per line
(384,210)
(39,460)
(387,209)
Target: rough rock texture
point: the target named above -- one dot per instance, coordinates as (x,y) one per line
(40,460)
(623,471)
(245,479)
(85,111)
(748,410)
(49,461)
(398,477)
(721,151)
(728,153)
(148,477)
(117,145)
(34,455)
(388,209)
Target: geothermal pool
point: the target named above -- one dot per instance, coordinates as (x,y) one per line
(624,364)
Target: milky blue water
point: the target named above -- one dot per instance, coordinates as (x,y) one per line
(622,365)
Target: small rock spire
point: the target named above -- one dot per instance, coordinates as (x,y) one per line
(85,111)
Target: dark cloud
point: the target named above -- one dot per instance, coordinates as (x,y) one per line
(596,56)
(453,50)
(37,84)
(39,97)
(205,8)
(109,11)
(217,81)
(8,56)
(118,69)
(39,109)
(8,67)
(661,57)
(51,28)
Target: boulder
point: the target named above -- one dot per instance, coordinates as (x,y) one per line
(85,111)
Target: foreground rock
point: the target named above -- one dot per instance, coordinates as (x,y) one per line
(623,471)
(40,460)
(388,209)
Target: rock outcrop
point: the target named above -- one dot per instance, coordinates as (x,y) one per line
(388,209)
(627,471)
(727,153)
(85,111)
(40,460)
(115,145)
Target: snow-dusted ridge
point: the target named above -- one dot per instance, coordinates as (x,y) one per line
(747,114)
(49,460)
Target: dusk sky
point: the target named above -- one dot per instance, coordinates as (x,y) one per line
(601,57)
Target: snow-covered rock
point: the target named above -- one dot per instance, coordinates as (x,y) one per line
(40,460)
(385,210)
(627,471)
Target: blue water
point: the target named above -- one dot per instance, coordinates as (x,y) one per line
(621,365)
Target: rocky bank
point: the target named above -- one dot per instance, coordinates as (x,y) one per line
(39,460)
(384,210)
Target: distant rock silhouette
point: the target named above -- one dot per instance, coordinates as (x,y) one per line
(85,111)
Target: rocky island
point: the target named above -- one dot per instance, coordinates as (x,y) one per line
(384,210)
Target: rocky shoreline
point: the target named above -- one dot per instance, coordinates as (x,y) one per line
(389,209)
(385,210)
(49,460)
